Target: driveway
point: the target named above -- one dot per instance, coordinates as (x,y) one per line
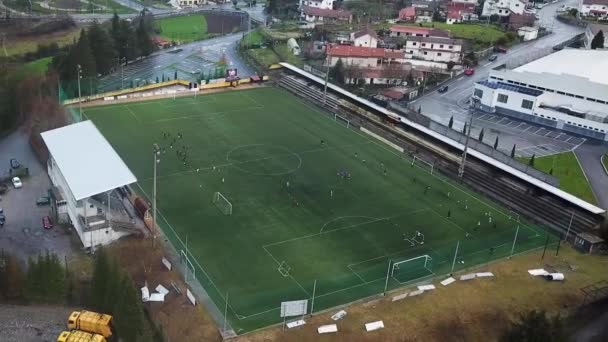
(22,234)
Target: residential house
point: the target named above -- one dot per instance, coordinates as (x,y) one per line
(517,21)
(324,4)
(414,31)
(503,8)
(595,8)
(315,14)
(460,11)
(189,3)
(424,10)
(434,49)
(394,75)
(365,37)
(407,14)
(364,57)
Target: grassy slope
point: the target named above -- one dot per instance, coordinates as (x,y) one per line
(569,172)
(30,44)
(250,135)
(184,29)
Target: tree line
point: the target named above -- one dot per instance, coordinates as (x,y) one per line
(100,49)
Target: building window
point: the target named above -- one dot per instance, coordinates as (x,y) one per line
(449,47)
(426,53)
(438,54)
(478,93)
(441,46)
(414,43)
(502,98)
(423,44)
(527,104)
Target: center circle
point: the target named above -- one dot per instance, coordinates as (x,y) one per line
(264,159)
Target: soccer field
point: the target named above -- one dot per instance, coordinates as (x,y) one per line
(311,200)
(183,28)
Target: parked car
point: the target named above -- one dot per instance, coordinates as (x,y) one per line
(47,223)
(443,89)
(43,201)
(501,49)
(15,164)
(469,71)
(2,220)
(17,182)
(493,58)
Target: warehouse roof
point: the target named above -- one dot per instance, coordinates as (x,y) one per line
(589,64)
(87,161)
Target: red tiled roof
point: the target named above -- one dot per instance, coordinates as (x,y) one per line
(461,6)
(456,12)
(521,19)
(595,2)
(407,13)
(324,12)
(362,52)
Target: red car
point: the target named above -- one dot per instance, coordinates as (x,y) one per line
(47,223)
(500,49)
(469,71)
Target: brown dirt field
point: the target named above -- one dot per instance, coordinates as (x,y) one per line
(477,310)
(24,44)
(180,320)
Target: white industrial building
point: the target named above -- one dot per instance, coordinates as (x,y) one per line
(566,90)
(85,170)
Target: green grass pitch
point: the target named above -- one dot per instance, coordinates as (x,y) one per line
(312,200)
(184,28)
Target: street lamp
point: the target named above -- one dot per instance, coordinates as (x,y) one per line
(156,150)
(466,144)
(79,75)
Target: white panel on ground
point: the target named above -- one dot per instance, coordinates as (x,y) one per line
(325,329)
(297,323)
(374,326)
(448,281)
(156,297)
(426,287)
(400,297)
(145,294)
(167,263)
(468,276)
(190,297)
(339,315)
(416,293)
(161,289)
(538,272)
(555,276)
(485,274)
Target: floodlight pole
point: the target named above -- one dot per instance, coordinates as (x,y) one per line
(388,272)
(514,240)
(569,226)
(455,255)
(466,144)
(156,161)
(79,76)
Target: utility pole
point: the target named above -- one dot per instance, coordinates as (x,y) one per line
(466,144)
(79,73)
(156,161)
(326,79)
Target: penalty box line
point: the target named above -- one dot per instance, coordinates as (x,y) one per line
(290,276)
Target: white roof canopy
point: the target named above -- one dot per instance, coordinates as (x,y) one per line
(86,159)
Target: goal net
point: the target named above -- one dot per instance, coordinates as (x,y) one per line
(342,120)
(423,164)
(222,203)
(411,269)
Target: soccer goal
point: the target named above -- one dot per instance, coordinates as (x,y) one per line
(421,163)
(413,268)
(222,203)
(342,120)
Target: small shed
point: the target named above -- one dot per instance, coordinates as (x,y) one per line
(587,243)
(527,33)
(293,46)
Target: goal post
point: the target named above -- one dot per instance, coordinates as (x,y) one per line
(417,161)
(412,268)
(222,203)
(342,120)
(188,266)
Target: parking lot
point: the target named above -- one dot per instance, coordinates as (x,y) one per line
(22,235)
(533,139)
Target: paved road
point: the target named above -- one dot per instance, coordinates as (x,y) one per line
(589,156)
(188,60)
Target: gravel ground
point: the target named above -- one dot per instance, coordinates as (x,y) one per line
(32,323)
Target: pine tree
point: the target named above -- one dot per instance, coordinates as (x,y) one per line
(496,143)
(536,326)
(175,75)
(531,161)
(12,278)
(163,79)
(157,80)
(598,40)
(102,47)
(451,122)
(33,282)
(145,45)
(513,151)
(464,129)
(481,135)
(128,313)
(337,72)
(115,31)
(99,280)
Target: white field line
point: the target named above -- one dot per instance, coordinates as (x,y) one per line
(290,276)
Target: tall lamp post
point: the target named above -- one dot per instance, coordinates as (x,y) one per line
(466,144)
(156,150)
(79,75)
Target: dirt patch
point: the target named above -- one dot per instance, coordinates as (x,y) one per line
(225,23)
(33,323)
(180,320)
